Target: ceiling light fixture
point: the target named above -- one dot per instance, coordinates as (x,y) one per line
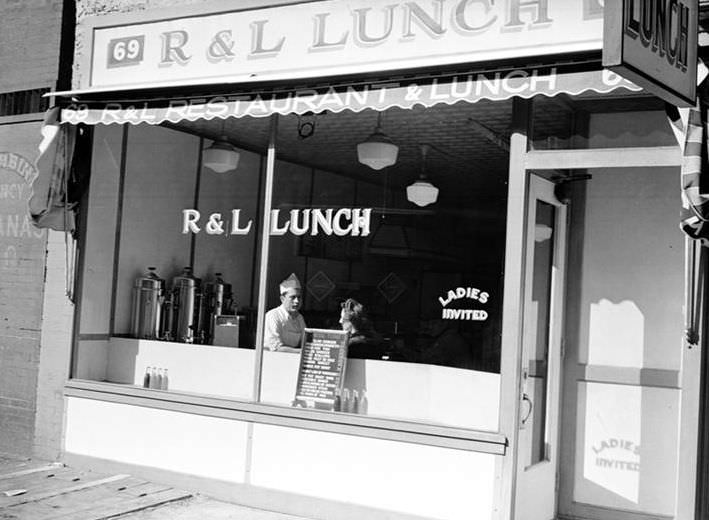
(422,193)
(220,156)
(377,151)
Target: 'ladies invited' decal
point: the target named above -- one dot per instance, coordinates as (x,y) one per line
(464,293)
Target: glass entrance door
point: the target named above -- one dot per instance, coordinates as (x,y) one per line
(537,459)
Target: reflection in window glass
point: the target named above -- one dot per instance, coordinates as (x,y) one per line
(176,242)
(172,271)
(419,288)
(538,369)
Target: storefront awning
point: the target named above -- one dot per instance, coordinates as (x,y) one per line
(152,107)
(145,104)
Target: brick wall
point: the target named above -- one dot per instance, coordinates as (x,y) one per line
(22,262)
(55,350)
(33,56)
(29,43)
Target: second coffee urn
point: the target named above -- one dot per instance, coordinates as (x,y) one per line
(148,295)
(217,301)
(186,307)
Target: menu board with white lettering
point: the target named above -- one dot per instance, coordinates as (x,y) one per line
(323,358)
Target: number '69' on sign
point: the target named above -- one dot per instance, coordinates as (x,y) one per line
(123,52)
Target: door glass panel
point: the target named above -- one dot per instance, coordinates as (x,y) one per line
(624,450)
(540,312)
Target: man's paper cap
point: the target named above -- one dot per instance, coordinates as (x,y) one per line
(291,282)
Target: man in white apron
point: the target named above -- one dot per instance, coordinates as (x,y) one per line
(284,325)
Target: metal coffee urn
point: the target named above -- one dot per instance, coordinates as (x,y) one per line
(216,301)
(186,300)
(148,295)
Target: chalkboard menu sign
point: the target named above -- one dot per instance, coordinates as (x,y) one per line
(322,368)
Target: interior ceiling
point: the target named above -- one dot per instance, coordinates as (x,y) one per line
(468,158)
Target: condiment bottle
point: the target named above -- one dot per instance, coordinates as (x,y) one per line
(154,383)
(146,378)
(345,400)
(355,402)
(363,402)
(163,383)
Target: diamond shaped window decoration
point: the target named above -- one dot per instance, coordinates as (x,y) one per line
(320,286)
(391,287)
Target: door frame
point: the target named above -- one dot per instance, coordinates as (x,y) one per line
(522,162)
(541,189)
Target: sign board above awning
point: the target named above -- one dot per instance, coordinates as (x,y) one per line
(471,88)
(327,38)
(654,44)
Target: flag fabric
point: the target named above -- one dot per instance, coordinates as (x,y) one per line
(694,219)
(690,128)
(49,206)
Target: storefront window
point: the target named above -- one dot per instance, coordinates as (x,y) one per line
(419,287)
(166,253)
(172,271)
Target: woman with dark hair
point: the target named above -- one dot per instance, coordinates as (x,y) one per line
(365,342)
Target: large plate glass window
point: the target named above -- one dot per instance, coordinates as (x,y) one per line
(168,297)
(404,250)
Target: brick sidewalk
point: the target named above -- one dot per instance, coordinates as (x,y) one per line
(39,490)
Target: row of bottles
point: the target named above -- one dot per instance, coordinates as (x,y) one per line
(156,378)
(352,401)
(185,312)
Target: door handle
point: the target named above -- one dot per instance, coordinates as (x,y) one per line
(525,398)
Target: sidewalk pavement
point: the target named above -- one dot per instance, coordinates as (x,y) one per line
(40,490)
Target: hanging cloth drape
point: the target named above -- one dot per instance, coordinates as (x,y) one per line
(49,205)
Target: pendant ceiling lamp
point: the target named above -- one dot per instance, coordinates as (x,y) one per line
(220,156)
(422,193)
(377,151)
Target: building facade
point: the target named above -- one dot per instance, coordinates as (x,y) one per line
(503,206)
(34,62)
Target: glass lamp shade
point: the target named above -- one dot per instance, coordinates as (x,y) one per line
(377,151)
(422,193)
(220,157)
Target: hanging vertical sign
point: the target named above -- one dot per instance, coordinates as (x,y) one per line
(653,43)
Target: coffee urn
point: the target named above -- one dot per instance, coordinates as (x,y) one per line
(186,307)
(148,295)
(217,301)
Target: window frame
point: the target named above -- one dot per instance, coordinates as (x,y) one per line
(469,439)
